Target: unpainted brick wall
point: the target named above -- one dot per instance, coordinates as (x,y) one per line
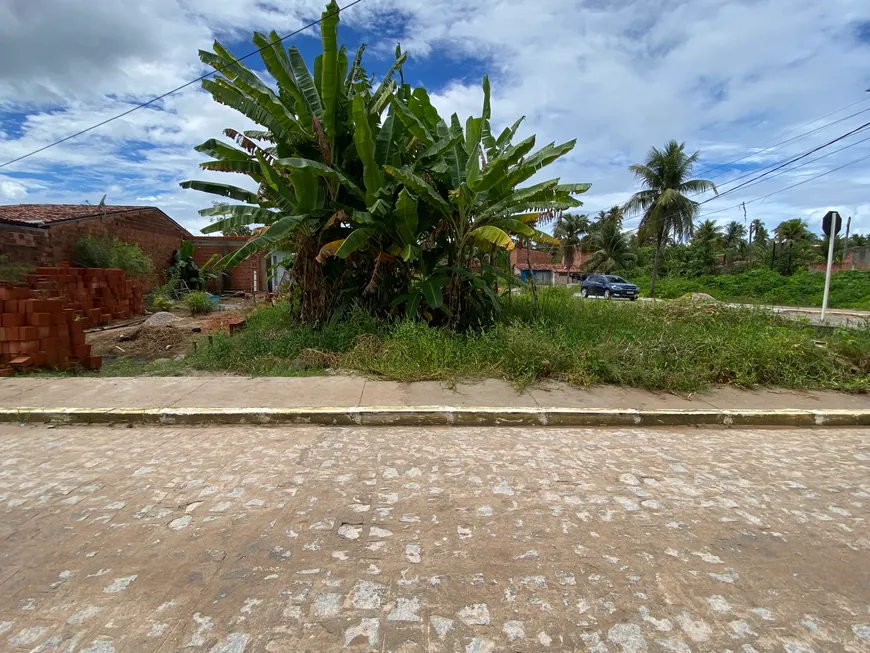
(241,277)
(148,228)
(23,244)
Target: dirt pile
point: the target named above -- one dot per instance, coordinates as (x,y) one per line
(144,342)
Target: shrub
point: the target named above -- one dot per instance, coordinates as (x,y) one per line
(13,272)
(160,303)
(111,252)
(198,303)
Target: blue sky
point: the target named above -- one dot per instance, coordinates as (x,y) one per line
(729,78)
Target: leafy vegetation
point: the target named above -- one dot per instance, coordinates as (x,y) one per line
(849,289)
(13,271)
(659,346)
(666,210)
(107,251)
(197,302)
(384,202)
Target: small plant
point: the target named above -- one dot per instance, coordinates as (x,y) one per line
(188,272)
(111,252)
(160,303)
(13,272)
(197,302)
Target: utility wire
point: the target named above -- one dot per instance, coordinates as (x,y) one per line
(758,179)
(789,162)
(178,88)
(794,138)
(798,137)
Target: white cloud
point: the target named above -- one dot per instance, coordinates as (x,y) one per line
(12,190)
(620,76)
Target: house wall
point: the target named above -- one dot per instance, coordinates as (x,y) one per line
(23,244)
(520,255)
(241,277)
(53,244)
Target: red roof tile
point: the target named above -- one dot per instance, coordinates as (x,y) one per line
(37,214)
(555,267)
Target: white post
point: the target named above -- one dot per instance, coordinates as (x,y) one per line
(831,240)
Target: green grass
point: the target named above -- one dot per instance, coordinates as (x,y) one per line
(656,346)
(197,302)
(849,289)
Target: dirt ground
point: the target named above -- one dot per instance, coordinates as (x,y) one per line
(250,540)
(141,342)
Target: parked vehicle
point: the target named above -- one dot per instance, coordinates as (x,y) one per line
(607,286)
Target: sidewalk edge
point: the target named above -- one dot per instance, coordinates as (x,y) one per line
(437,416)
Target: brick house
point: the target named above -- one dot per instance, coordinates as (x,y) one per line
(543,269)
(44,235)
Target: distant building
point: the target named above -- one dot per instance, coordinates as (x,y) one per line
(545,272)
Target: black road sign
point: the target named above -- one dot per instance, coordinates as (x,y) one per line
(826,223)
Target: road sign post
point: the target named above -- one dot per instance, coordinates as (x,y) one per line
(831,224)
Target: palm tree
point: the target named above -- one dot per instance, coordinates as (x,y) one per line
(569,231)
(708,231)
(734,235)
(792,231)
(667,211)
(611,249)
(757,232)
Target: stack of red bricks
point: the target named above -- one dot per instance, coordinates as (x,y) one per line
(42,323)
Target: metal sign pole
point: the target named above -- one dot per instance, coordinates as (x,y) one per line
(831,239)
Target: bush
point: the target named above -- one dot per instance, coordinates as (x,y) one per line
(160,303)
(849,289)
(13,272)
(663,346)
(111,252)
(198,303)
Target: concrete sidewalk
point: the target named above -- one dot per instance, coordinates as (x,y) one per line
(348,399)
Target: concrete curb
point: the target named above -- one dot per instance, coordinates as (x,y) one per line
(437,416)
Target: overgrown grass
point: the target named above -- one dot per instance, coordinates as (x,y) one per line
(13,271)
(656,346)
(849,289)
(197,302)
(108,251)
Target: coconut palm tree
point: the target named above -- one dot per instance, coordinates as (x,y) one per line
(735,234)
(707,232)
(792,231)
(758,232)
(611,250)
(666,210)
(569,231)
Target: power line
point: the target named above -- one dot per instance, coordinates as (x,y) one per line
(798,137)
(790,161)
(781,190)
(178,88)
(794,138)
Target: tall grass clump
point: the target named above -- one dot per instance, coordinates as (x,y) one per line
(658,346)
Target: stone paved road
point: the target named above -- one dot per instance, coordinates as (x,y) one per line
(441,539)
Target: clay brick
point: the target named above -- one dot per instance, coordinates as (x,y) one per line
(39,359)
(12,319)
(28,333)
(5,293)
(22,362)
(94,362)
(11,333)
(39,319)
(28,346)
(44,332)
(11,306)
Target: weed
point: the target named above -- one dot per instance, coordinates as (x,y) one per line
(657,346)
(197,302)
(111,252)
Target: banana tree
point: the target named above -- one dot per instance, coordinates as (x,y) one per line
(484,207)
(307,158)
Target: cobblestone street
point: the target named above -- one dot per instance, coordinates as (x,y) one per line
(475,540)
